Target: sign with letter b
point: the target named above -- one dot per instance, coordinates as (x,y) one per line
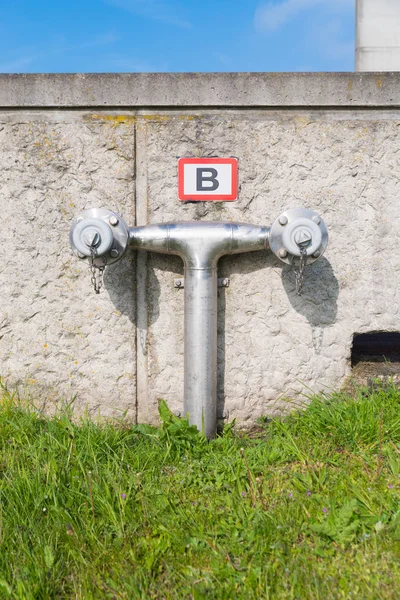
(208,179)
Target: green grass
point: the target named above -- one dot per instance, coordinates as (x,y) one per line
(308,507)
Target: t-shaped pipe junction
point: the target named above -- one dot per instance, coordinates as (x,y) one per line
(200,245)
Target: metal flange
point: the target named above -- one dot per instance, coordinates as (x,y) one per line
(298,230)
(103,230)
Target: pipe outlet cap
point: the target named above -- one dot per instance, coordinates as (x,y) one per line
(301,233)
(92,233)
(102,229)
(296,230)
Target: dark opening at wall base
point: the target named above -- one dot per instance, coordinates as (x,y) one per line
(381,346)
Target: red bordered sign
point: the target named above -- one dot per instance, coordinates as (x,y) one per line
(208,179)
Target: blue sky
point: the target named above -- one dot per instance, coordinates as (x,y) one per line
(176,35)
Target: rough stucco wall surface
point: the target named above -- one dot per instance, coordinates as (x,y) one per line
(56,336)
(122,350)
(274,345)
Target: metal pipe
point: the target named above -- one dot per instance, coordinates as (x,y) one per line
(200,349)
(297,236)
(200,245)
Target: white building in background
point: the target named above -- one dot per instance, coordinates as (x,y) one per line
(378,35)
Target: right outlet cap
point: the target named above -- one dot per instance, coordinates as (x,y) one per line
(297,229)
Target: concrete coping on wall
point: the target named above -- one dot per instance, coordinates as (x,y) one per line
(202,90)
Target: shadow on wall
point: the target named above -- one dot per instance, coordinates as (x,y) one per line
(122,289)
(318,304)
(119,281)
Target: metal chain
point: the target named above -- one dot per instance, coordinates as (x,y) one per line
(97,272)
(299,273)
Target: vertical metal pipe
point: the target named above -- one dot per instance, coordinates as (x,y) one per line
(200,353)
(200,245)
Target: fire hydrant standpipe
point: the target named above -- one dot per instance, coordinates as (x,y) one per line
(200,245)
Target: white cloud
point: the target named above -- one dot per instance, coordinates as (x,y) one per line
(159,10)
(273,15)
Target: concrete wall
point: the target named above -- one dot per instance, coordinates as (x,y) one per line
(329,142)
(378,35)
